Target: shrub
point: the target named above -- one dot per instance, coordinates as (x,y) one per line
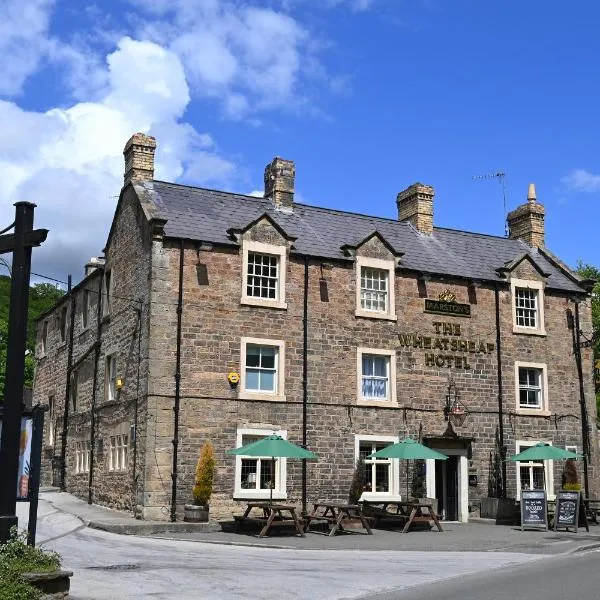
(16,557)
(357,485)
(418,488)
(205,470)
(570,477)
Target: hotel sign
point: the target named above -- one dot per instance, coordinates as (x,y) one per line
(446,304)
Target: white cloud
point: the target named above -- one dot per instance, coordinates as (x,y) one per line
(580,180)
(69,160)
(257,193)
(23,41)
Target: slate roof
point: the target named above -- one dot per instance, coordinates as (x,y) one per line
(206,215)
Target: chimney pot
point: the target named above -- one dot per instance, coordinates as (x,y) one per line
(415,205)
(280,176)
(526,222)
(139,158)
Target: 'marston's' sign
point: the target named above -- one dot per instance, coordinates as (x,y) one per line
(441,307)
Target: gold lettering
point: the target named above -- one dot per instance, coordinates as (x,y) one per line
(449,360)
(447,328)
(490,347)
(481,347)
(429,359)
(427,343)
(437,345)
(466,365)
(456,329)
(437,327)
(405,339)
(462,346)
(445,343)
(454,345)
(417,341)
(471,346)
(439,361)
(458,362)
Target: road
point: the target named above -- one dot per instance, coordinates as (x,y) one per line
(571,577)
(109,566)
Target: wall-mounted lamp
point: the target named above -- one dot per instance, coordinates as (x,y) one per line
(119,383)
(452,400)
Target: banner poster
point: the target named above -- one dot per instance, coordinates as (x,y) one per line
(24,457)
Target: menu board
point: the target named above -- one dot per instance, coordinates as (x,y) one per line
(567,510)
(534,509)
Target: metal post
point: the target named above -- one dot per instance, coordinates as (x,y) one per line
(15,368)
(34,479)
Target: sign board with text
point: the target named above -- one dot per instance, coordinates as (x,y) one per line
(534,509)
(567,510)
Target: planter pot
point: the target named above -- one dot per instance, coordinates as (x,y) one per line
(54,586)
(489,508)
(193,513)
(504,510)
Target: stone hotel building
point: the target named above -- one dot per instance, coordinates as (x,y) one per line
(347,332)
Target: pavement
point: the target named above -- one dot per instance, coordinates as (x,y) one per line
(475,536)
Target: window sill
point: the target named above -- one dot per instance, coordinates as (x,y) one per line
(373,402)
(533,412)
(527,331)
(368,314)
(259,396)
(278,304)
(258,495)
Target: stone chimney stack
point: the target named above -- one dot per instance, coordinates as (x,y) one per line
(139,158)
(280,176)
(415,205)
(526,222)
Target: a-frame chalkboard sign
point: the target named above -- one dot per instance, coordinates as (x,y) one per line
(570,511)
(534,509)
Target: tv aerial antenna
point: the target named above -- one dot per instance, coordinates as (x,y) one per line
(501,177)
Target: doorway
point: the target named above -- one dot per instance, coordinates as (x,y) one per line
(447,488)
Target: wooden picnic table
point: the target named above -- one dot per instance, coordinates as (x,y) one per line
(405,512)
(335,514)
(271,514)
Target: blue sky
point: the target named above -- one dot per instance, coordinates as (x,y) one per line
(367,96)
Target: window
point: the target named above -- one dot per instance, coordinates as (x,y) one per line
(533,474)
(63,324)
(572,449)
(85,309)
(110,378)
(376,376)
(107,292)
(254,475)
(51,418)
(262,369)
(82,456)
(263,281)
(381,474)
(73,390)
(44,339)
(375,288)
(528,307)
(531,387)
(117,457)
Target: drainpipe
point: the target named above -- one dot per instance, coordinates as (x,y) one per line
(500,391)
(584,416)
(304,381)
(65,424)
(94,385)
(138,309)
(177,387)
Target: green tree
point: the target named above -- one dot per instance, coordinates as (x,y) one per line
(42,297)
(590,272)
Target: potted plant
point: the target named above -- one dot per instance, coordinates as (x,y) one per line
(570,477)
(203,484)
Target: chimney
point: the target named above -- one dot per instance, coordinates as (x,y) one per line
(95,262)
(415,205)
(526,222)
(280,176)
(139,158)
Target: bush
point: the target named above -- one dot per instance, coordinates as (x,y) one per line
(357,485)
(17,557)
(570,477)
(205,470)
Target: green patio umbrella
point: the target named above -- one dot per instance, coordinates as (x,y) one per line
(273,446)
(543,451)
(408,450)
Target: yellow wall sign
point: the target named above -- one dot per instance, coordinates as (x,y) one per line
(233,378)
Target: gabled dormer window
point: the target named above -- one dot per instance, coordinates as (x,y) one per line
(375,288)
(263,275)
(528,306)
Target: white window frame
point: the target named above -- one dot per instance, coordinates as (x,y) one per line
(521,445)
(394,493)
(383,265)
(262,248)
(64,324)
(279,394)
(110,377)
(537,286)
(107,291)
(571,448)
(82,456)
(44,339)
(280,489)
(118,452)
(51,418)
(85,309)
(391,396)
(544,410)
